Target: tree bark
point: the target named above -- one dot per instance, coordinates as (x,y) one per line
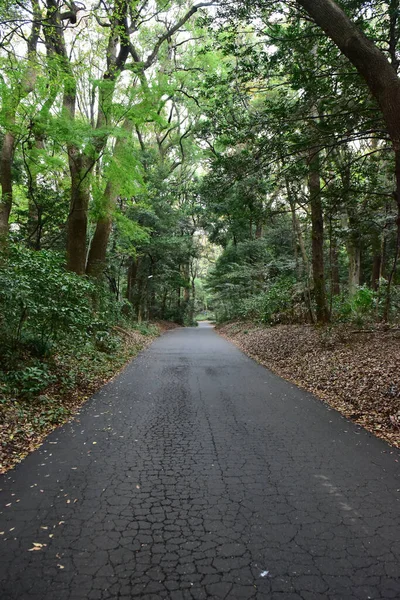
(98,248)
(77,219)
(131,279)
(11,100)
(380,76)
(317,223)
(335,279)
(376,269)
(7,154)
(353,252)
(370,62)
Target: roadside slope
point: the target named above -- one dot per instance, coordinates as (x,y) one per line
(354,371)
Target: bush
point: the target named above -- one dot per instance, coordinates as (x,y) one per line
(40,301)
(278,300)
(358,309)
(28,381)
(47,311)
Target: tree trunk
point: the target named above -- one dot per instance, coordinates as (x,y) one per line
(335,279)
(380,76)
(11,98)
(7,155)
(376,269)
(370,62)
(317,223)
(353,251)
(98,248)
(259,230)
(77,219)
(164,303)
(354,254)
(300,241)
(131,279)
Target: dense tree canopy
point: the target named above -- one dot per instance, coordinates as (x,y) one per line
(246,152)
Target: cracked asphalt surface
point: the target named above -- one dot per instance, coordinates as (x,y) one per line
(197,473)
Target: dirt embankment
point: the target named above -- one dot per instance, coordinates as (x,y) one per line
(355,371)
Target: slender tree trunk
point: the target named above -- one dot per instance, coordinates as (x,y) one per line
(164,303)
(317,223)
(354,254)
(35,224)
(131,279)
(7,155)
(376,269)
(303,251)
(335,279)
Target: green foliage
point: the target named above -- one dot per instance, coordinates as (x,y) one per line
(278,300)
(205,316)
(47,311)
(358,309)
(29,380)
(39,300)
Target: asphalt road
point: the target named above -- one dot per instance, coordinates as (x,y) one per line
(199,474)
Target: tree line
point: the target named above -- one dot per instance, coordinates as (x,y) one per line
(131,130)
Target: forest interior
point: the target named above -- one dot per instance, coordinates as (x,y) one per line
(169,161)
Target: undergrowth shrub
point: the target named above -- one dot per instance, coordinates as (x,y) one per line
(278,300)
(40,301)
(51,317)
(357,309)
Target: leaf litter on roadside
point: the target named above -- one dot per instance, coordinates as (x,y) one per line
(356,372)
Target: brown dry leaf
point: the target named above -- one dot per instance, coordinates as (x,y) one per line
(355,372)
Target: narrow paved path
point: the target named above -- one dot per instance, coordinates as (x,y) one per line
(199,474)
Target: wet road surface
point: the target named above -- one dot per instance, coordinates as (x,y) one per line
(199,474)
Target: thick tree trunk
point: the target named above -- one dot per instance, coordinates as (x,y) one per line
(98,247)
(370,62)
(379,74)
(317,223)
(7,155)
(77,219)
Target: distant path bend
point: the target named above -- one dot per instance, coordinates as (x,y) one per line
(198,474)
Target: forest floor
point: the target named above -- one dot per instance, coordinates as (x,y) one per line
(354,371)
(26,421)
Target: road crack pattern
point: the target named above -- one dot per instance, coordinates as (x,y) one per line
(198,474)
